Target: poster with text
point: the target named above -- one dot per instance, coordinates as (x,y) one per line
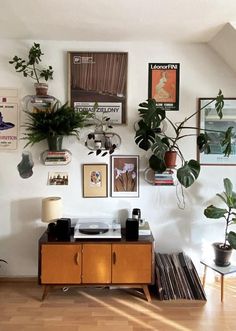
(164,84)
(8,119)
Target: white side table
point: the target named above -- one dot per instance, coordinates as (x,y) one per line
(221,270)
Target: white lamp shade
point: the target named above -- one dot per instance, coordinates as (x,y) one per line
(51,209)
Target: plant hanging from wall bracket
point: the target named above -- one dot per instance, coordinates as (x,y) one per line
(30,67)
(101,141)
(149,136)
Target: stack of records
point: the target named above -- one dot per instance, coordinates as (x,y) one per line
(177,278)
(164,178)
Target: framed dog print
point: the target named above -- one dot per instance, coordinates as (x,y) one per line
(95,181)
(125,176)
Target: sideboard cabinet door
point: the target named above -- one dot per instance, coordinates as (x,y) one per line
(131,263)
(61,264)
(96,264)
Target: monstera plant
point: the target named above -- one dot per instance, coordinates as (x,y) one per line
(150,136)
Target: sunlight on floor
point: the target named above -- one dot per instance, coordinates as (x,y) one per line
(142,310)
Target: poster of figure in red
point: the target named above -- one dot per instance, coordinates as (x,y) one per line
(164,84)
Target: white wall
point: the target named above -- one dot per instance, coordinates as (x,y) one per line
(202,74)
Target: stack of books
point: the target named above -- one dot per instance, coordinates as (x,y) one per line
(177,278)
(56,158)
(144,229)
(164,178)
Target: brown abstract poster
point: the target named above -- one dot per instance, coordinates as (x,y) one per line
(99,77)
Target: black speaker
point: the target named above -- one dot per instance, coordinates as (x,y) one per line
(63,229)
(132,226)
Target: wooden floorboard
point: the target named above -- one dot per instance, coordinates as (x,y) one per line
(102,309)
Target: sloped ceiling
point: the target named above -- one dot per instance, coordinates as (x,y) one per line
(115,20)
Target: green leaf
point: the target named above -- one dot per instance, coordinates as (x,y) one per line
(222,197)
(188,173)
(219,104)
(157,164)
(151,114)
(214,212)
(203,141)
(232,239)
(228,187)
(159,148)
(227,141)
(145,136)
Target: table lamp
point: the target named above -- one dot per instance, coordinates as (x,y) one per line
(51,209)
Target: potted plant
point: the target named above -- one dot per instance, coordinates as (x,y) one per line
(101,141)
(30,68)
(223,250)
(149,136)
(53,124)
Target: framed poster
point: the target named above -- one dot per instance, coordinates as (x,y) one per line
(95,181)
(125,176)
(8,119)
(99,77)
(163,84)
(209,120)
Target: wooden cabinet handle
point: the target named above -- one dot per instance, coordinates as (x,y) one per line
(114,258)
(77,258)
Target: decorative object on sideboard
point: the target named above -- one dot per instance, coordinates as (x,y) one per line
(223,250)
(100,141)
(31,68)
(53,125)
(52,209)
(149,136)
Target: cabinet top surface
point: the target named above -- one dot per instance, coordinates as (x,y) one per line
(46,238)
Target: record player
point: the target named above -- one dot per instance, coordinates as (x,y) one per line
(97,228)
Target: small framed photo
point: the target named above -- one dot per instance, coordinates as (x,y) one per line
(215,128)
(95,181)
(163,84)
(125,176)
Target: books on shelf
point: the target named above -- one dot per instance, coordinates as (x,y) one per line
(164,178)
(177,278)
(144,229)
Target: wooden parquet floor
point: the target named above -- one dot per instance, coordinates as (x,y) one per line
(101,309)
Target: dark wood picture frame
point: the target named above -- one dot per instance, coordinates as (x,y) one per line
(99,77)
(208,119)
(95,180)
(163,84)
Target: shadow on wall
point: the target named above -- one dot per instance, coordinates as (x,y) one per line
(21,247)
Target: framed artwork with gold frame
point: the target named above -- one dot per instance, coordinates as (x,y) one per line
(95,180)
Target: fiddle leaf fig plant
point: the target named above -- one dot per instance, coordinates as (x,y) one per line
(30,67)
(228,213)
(150,136)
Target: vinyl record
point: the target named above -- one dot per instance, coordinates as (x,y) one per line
(93,228)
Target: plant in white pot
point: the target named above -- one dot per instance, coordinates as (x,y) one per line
(31,68)
(223,249)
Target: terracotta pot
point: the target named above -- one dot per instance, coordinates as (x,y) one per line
(170,159)
(222,254)
(41,88)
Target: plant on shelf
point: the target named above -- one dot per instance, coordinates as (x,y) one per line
(100,141)
(224,250)
(149,136)
(53,124)
(31,68)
